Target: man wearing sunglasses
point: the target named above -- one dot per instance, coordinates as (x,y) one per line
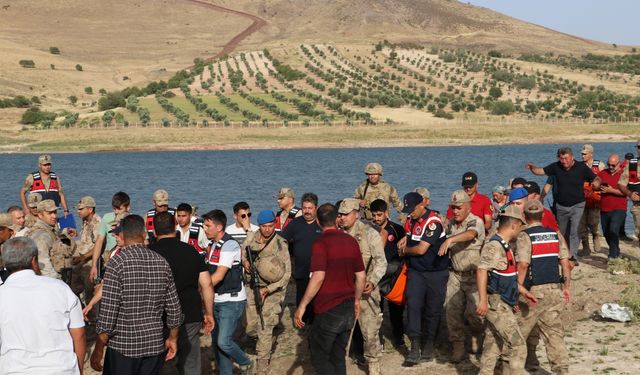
(46,183)
(242,226)
(613,205)
(629,184)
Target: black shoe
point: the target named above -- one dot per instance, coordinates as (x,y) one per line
(413,358)
(428,352)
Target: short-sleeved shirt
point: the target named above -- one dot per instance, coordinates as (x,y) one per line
(523,246)
(238,233)
(230,255)
(88,236)
(434,235)
(493,257)
(610,202)
(108,223)
(186,265)
(481,206)
(465,256)
(395,232)
(570,183)
(338,255)
(300,236)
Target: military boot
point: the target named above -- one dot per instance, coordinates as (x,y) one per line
(413,358)
(458,353)
(531,363)
(374,368)
(428,352)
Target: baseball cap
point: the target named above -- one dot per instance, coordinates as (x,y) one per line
(469,179)
(410,201)
(532,187)
(459,197)
(47,205)
(518,193)
(86,202)
(518,181)
(33,199)
(285,192)
(499,189)
(6,221)
(266,216)
(118,228)
(161,197)
(423,191)
(45,159)
(628,156)
(349,204)
(587,148)
(512,211)
(533,206)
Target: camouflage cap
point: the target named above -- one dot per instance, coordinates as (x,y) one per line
(587,148)
(47,205)
(161,197)
(33,199)
(86,202)
(512,211)
(6,221)
(270,268)
(423,191)
(533,206)
(45,159)
(458,198)
(348,205)
(285,192)
(374,168)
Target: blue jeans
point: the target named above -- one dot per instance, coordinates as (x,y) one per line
(611,222)
(227,315)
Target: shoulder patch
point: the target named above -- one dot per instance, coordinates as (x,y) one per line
(432,227)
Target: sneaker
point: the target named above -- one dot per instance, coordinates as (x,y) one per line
(247,369)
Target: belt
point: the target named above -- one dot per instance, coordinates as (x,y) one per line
(464,273)
(547,286)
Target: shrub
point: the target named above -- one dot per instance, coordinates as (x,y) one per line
(503,107)
(525,82)
(494,53)
(54,50)
(53,67)
(111,100)
(73,99)
(34,100)
(444,114)
(88,90)
(495,92)
(79,67)
(27,63)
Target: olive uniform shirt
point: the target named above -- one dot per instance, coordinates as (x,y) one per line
(465,256)
(88,236)
(372,251)
(382,190)
(277,247)
(493,257)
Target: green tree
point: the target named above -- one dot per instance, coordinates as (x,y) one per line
(73,99)
(495,92)
(54,50)
(27,63)
(107,117)
(79,67)
(31,116)
(88,90)
(503,107)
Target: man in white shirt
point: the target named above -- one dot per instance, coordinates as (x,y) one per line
(41,325)
(242,226)
(189,229)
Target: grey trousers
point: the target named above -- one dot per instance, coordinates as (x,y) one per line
(569,222)
(189,349)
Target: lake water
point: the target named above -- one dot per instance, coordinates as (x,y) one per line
(218,179)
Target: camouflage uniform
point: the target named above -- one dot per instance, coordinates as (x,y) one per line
(53,255)
(375,266)
(546,316)
(382,190)
(503,335)
(635,209)
(80,276)
(462,291)
(272,304)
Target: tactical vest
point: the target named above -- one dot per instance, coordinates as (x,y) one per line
(415,229)
(232,281)
(150,215)
(545,250)
(592,197)
(505,282)
(38,186)
(61,251)
(634,181)
(194,236)
(292,215)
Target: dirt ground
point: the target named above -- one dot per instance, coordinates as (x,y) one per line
(595,345)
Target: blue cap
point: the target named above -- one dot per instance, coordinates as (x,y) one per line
(410,201)
(518,193)
(266,216)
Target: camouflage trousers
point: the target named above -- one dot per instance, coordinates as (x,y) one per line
(503,337)
(271,311)
(80,283)
(635,212)
(590,228)
(370,322)
(460,304)
(547,316)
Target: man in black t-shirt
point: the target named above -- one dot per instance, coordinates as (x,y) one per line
(300,234)
(570,176)
(189,272)
(395,232)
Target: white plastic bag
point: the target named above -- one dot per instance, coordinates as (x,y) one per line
(616,312)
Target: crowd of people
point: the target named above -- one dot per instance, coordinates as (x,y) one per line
(489,277)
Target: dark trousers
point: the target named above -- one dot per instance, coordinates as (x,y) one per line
(301,286)
(329,337)
(396,313)
(118,364)
(189,349)
(426,292)
(611,222)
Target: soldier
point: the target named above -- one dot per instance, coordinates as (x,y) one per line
(537,257)
(46,183)
(590,222)
(375,267)
(288,210)
(31,214)
(480,204)
(6,225)
(375,188)
(54,255)
(80,280)
(271,259)
(160,204)
(629,184)
(465,236)
(498,289)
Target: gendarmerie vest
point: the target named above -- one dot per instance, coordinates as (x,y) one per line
(505,282)
(194,235)
(38,186)
(429,261)
(292,215)
(634,180)
(592,197)
(150,215)
(232,281)
(545,251)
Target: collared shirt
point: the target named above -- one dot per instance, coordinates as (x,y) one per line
(203,241)
(481,206)
(138,289)
(36,313)
(465,256)
(238,233)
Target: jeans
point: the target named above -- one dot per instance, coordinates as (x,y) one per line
(611,222)
(189,349)
(227,315)
(329,337)
(425,291)
(569,221)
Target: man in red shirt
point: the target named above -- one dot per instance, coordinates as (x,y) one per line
(337,281)
(613,205)
(548,220)
(480,204)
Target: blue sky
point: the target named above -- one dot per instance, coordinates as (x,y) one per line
(610,21)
